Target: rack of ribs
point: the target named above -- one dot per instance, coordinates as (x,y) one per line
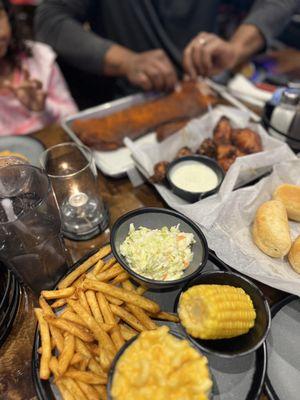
(107,133)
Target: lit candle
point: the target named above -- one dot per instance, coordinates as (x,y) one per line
(78,199)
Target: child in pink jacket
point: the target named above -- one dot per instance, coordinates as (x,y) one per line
(33,92)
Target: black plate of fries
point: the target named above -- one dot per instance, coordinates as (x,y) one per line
(82,372)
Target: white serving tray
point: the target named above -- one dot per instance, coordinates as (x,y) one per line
(114,163)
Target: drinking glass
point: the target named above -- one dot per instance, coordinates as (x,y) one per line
(73,175)
(30,238)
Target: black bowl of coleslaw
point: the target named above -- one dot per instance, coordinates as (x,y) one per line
(159,248)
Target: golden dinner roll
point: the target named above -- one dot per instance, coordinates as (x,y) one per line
(270,230)
(294,255)
(290,196)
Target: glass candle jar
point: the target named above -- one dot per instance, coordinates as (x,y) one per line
(73,174)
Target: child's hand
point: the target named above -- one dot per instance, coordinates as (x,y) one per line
(29,92)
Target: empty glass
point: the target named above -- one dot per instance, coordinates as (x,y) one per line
(30,239)
(73,175)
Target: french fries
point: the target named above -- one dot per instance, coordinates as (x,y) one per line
(86,377)
(116,336)
(55,333)
(83,364)
(141,290)
(89,391)
(73,388)
(101,389)
(108,264)
(125,295)
(83,300)
(103,252)
(53,365)
(59,303)
(127,285)
(81,348)
(140,314)
(127,332)
(113,300)
(124,276)
(45,306)
(94,306)
(63,390)
(97,328)
(109,274)
(96,270)
(77,357)
(165,316)
(88,319)
(128,318)
(70,327)
(102,310)
(58,294)
(57,338)
(95,367)
(71,316)
(46,344)
(67,353)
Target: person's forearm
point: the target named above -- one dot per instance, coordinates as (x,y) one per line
(115,59)
(59,24)
(247,40)
(271,16)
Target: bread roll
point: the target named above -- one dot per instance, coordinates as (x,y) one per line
(290,196)
(271,230)
(294,255)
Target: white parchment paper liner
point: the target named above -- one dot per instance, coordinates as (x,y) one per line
(244,169)
(230,235)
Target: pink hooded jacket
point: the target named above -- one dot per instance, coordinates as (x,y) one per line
(15,119)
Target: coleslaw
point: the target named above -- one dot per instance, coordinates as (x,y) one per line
(160,254)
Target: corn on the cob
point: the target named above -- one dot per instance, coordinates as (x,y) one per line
(216,311)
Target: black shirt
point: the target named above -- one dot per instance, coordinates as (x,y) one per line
(81,31)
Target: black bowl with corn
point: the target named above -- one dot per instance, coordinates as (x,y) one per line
(224,313)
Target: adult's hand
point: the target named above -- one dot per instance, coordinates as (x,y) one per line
(150,70)
(207,54)
(29,92)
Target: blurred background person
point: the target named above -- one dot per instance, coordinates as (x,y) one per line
(149,44)
(33,92)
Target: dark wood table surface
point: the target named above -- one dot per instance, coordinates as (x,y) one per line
(16,353)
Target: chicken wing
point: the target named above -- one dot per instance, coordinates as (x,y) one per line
(226,162)
(160,171)
(226,151)
(208,148)
(247,141)
(183,152)
(223,131)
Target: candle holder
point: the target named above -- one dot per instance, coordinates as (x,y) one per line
(73,174)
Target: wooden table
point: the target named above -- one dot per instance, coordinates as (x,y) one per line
(15,353)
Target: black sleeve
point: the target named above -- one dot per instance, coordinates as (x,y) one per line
(271,16)
(59,23)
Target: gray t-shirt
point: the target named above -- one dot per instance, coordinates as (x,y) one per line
(81,31)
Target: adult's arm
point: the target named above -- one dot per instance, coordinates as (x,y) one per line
(270,17)
(208,54)
(59,23)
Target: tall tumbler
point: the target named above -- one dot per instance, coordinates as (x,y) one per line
(30,228)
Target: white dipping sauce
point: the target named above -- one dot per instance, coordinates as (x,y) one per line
(193,176)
